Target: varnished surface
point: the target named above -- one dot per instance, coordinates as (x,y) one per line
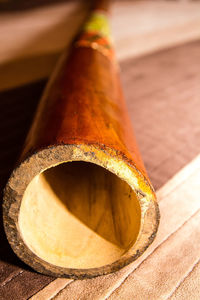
(85,105)
(175,86)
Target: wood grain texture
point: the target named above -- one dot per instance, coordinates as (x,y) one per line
(189,287)
(84,104)
(165,85)
(168,267)
(165,96)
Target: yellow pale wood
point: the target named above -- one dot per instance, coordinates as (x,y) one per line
(79,215)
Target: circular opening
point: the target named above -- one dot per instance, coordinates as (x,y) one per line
(79,215)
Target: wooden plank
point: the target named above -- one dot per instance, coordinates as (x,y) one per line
(189,287)
(159,275)
(162,90)
(23,285)
(51,289)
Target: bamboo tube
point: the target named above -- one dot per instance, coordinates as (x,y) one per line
(79,203)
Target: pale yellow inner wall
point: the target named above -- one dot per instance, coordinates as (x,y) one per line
(79,215)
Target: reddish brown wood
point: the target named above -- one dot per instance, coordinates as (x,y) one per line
(85,104)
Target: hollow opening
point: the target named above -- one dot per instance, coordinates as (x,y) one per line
(79,215)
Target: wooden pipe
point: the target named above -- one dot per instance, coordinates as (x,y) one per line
(79,203)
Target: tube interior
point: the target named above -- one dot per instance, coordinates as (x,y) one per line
(79,215)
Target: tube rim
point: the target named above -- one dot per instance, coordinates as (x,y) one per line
(57,154)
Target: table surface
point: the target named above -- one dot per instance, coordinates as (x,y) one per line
(162,90)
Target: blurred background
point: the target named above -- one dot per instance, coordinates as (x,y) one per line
(33,33)
(157,45)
